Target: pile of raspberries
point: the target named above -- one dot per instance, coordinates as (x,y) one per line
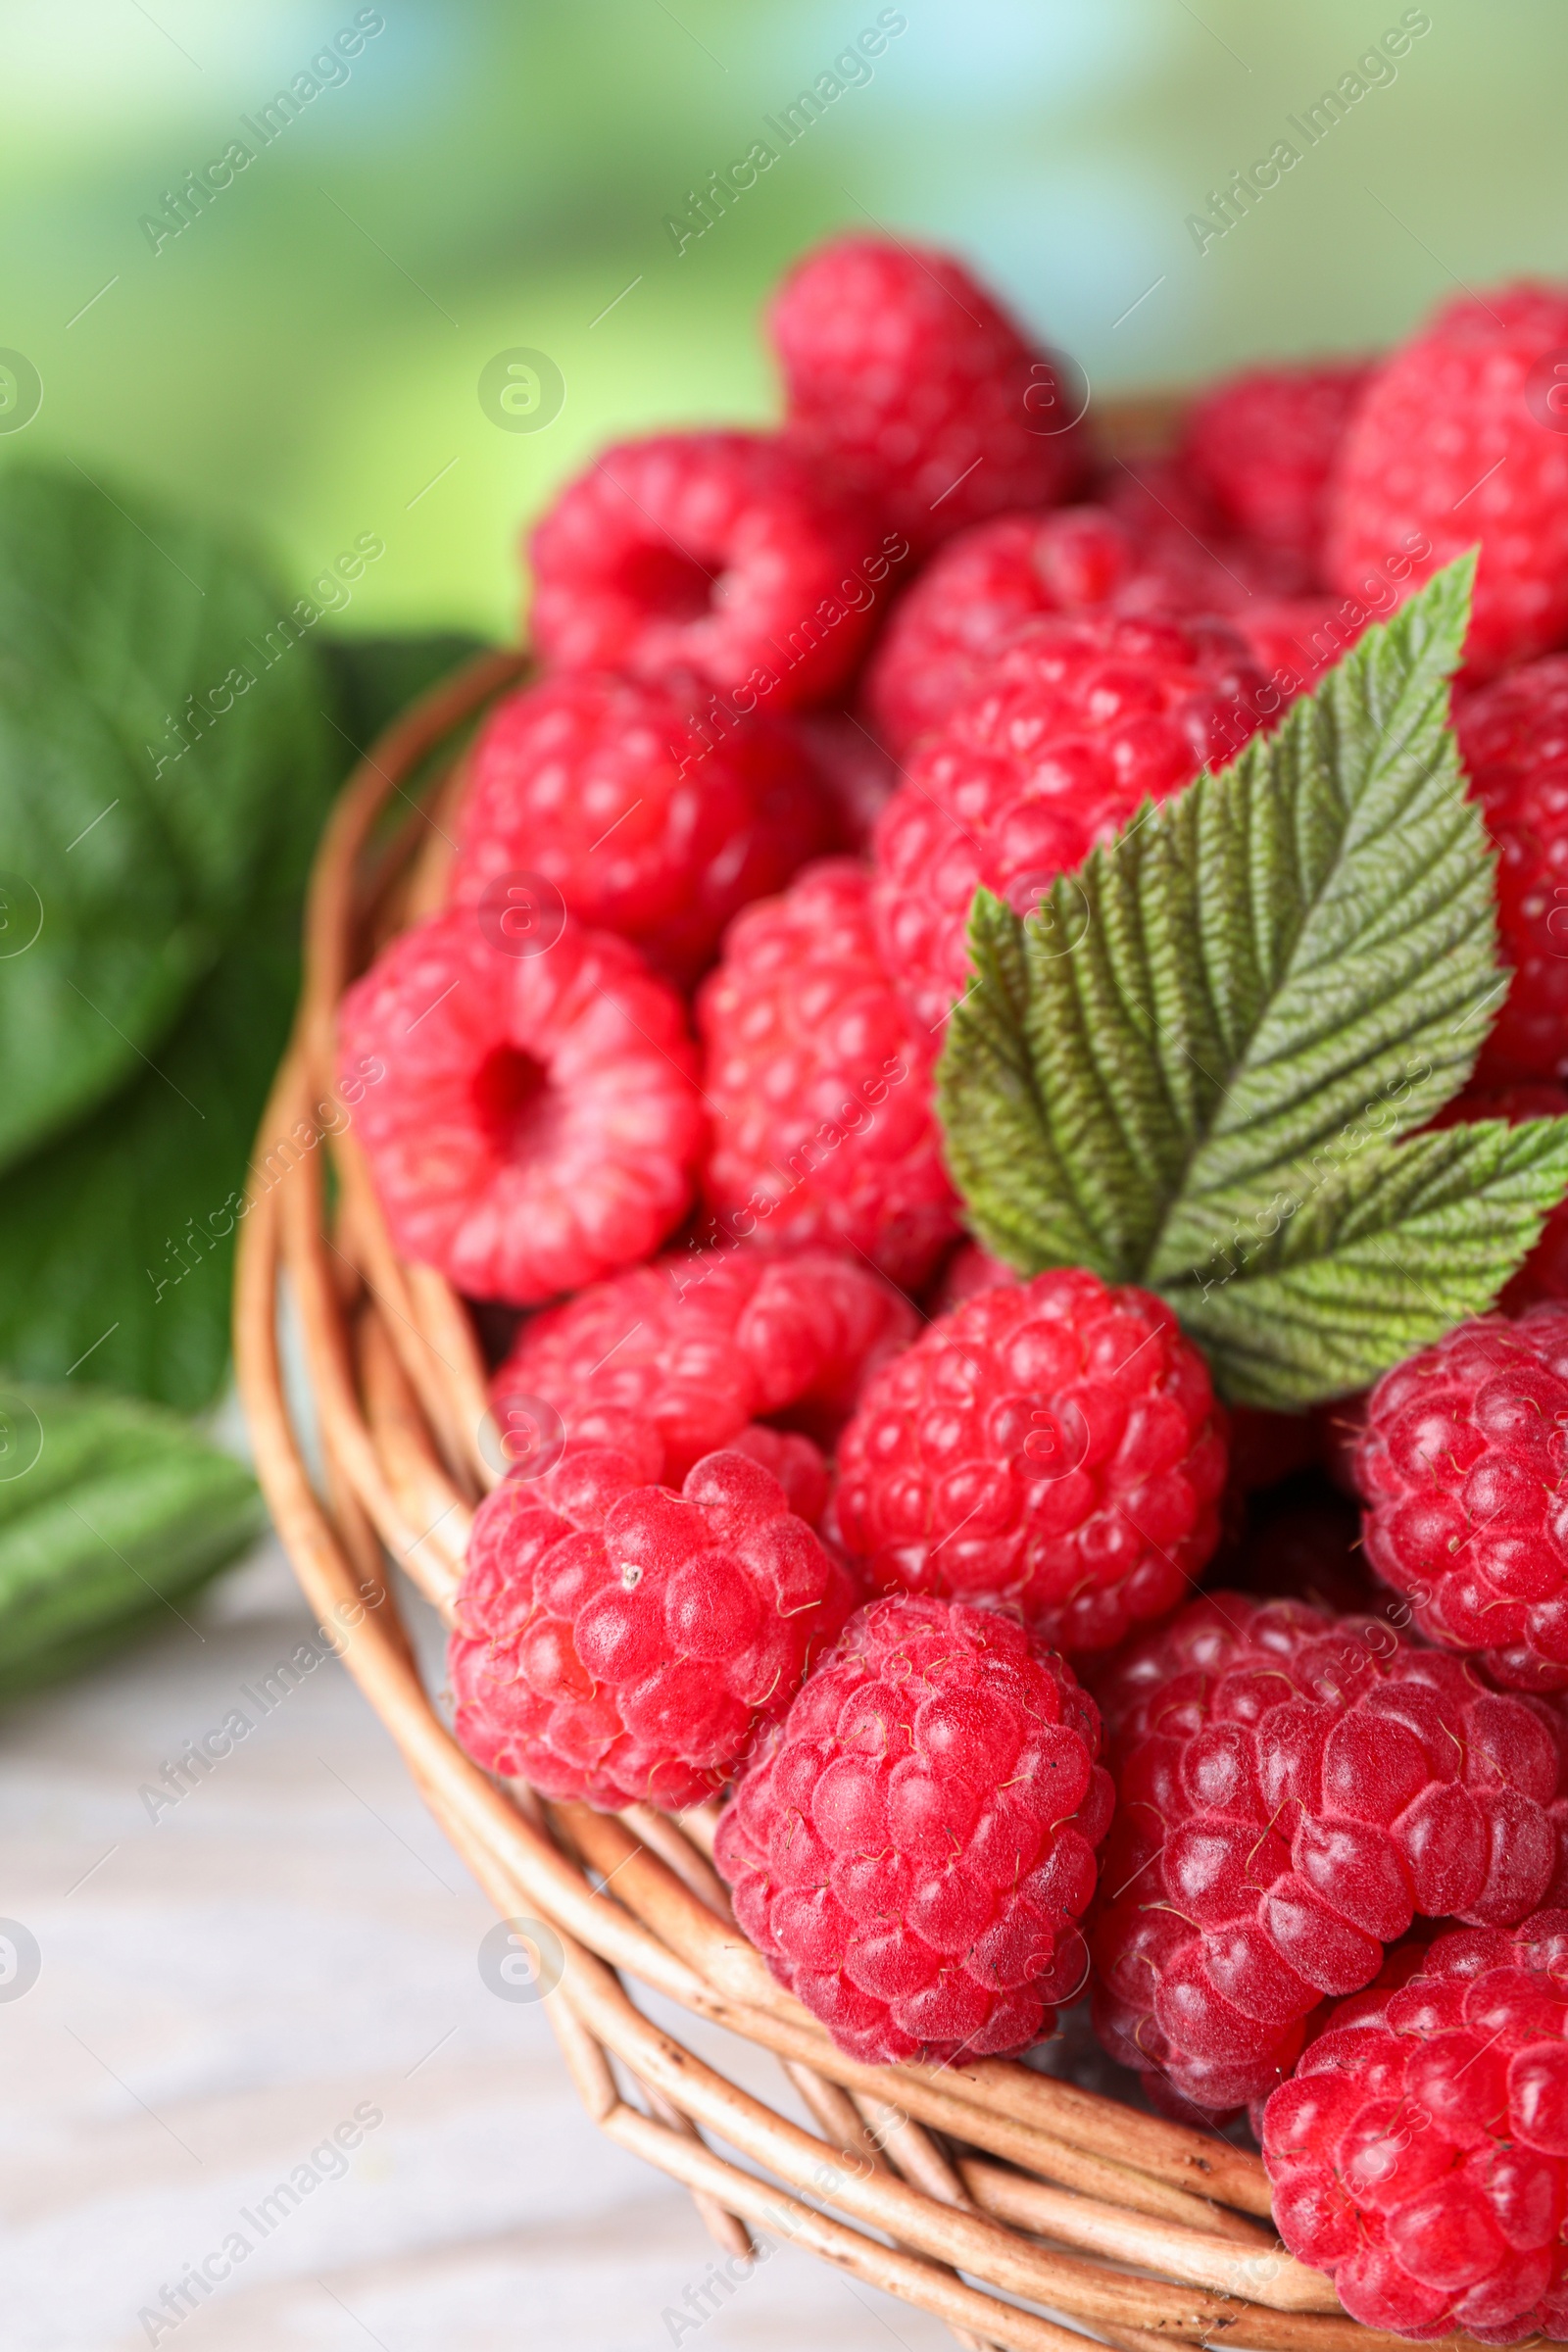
(814,1506)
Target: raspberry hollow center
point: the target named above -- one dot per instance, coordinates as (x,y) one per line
(666,583)
(517,1107)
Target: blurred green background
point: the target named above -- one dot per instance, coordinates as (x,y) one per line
(304,358)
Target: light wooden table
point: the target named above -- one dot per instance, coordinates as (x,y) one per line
(222,1987)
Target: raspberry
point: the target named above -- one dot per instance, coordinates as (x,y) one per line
(1420,2156)
(716,553)
(1452,442)
(622,1642)
(1513,739)
(1077,723)
(590,781)
(911,380)
(973,596)
(819,1085)
(1262,444)
(538,1118)
(1292,1789)
(698,1345)
(911,1851)
(1463,1465)
(1055,1444)
(1545,1272)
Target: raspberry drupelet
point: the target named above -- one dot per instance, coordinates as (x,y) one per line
(1293,1790)
(720,554)
(1464,1466)
(538,1118)
(1053,1445)
(819,1082)
(700,1346)
(1513,740)
(913,1849)
(1420,2154)
(1078,722)
(594,783)
(904,376)
(1453,442)
(622,1642)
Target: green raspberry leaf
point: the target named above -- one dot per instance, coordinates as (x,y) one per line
(161,733)
(1244,999)
(112,1516)
(1331,1287)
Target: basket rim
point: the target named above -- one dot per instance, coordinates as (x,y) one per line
(976,2171)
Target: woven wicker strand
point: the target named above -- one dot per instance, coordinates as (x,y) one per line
(978,2192)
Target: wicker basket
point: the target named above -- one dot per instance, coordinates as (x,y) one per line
(978,2192)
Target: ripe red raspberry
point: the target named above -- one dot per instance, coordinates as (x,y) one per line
(620,1642)
(1076,724)
(1464,1466)
(1293,1790)
(911,1851)
(971,600)
(1545,1272)
(594,783)
(698,1345)
(722,553)
(1055,1444)
(1454,441)
(1262,444)
(1513,739)
(538,1119)
(819,1085)
(1420,2156)
(912,382)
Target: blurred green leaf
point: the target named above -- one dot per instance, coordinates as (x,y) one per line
(130,829)
(111,1514)
(115,1243)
